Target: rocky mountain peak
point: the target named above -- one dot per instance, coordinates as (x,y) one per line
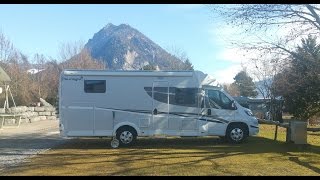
(123,47)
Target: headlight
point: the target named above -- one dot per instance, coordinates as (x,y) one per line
(248,112)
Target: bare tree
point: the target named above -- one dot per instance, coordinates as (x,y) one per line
(6,49)
(182,55)
(263,70)
(75,55)
(16,65)
(21,85)
(50,85)
(232,89)
(70,49)
(271,29)
(39,61)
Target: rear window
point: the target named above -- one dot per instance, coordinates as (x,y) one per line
(95,86)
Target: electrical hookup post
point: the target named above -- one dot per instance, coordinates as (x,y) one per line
(297,132)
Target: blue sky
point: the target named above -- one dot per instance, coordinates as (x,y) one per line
(190,28)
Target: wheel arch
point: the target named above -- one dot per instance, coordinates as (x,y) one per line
(125,124)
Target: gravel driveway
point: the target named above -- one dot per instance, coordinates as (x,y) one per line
(17,144)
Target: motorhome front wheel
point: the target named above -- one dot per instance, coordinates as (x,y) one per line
(236,133)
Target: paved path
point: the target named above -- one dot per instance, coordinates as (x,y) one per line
(17,144)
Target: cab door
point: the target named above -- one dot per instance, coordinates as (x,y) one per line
(219,111)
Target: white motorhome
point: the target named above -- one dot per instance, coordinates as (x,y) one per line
(128,104)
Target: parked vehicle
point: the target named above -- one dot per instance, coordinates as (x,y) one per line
(128,104)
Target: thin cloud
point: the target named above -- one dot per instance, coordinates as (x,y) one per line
(185,6)
(226,75)
(234,55)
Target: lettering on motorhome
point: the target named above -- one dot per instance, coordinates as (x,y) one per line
(73,78)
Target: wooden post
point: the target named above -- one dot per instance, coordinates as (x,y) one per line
(288,134)
(276,133)
(7,98)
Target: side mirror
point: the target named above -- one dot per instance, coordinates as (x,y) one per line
(233,105)
(209,112)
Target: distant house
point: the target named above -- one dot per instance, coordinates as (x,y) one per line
(34,71)
(261,108)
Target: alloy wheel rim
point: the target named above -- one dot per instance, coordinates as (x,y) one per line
(126,137)
(236,134)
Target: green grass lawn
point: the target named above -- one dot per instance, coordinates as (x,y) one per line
(259,155)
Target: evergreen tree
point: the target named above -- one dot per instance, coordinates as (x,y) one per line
(188,65)
(245,84)
(149,67)
(299,84)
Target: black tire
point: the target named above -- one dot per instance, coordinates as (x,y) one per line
(126,136)
(236,133)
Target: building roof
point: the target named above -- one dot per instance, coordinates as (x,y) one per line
(4,76)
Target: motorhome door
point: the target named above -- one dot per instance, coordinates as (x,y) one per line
(160,95)
(219,111)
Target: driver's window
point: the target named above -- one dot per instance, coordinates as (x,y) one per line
(213,99)
(218,100)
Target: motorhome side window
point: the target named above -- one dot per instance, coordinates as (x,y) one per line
(218,100)
(185,96)
(95,86)
(161,94)
(177,96)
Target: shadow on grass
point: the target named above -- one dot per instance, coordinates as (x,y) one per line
(314,133)
(305,164)
(251,145)
(154,152)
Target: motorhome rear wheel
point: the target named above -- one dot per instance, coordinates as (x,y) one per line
(126,135)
